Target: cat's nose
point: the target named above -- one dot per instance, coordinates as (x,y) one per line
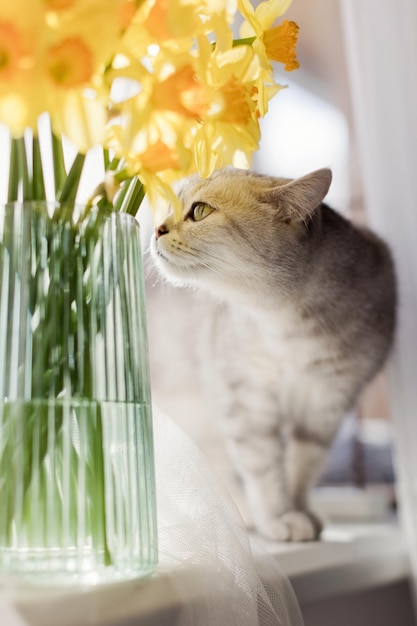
(160,230)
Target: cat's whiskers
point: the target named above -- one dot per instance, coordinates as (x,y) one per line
(202,267)
(243,278)
(229,262)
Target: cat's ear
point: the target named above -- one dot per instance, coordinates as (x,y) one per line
(298,199)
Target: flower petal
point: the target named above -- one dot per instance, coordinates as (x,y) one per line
(267,12)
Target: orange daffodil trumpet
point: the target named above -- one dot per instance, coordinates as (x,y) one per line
(161,83)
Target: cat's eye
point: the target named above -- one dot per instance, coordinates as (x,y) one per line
(200,210)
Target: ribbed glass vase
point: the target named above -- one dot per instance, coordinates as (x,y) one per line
(77,493)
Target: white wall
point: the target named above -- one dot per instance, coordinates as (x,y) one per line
(302,132)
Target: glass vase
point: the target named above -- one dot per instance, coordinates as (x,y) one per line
(77,491)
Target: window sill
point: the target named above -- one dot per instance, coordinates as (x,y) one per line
(350,558)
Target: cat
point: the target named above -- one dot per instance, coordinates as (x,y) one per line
(305,318)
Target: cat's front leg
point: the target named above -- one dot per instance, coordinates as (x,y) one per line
(305,455)
(304,458)
(258,456)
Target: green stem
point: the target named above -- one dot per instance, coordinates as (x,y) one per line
(13,184)
(70,188)
(23,169)
(120,196)
(246,41)
(106,159)
(38,183)
(99,196)
(102,494)
(113,164)
(132,197)
(122,174)
(60,173)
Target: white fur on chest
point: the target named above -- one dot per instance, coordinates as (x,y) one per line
(272,351)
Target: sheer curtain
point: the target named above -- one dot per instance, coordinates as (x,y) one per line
(381,48)
(220,578)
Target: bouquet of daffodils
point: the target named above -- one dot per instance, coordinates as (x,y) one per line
(158,89)
(163,86)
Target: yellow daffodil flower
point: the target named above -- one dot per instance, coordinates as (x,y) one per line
(260,19)
(161,83)
(47,55)
(229,131)
(276,43)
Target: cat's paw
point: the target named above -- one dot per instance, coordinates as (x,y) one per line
(293,526)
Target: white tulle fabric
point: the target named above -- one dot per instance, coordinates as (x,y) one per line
(208,575)
(220,578)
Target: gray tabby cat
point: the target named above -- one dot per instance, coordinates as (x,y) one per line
(306,318)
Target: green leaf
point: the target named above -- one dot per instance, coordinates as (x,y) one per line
(118,200)
(70,188)
(132,197)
